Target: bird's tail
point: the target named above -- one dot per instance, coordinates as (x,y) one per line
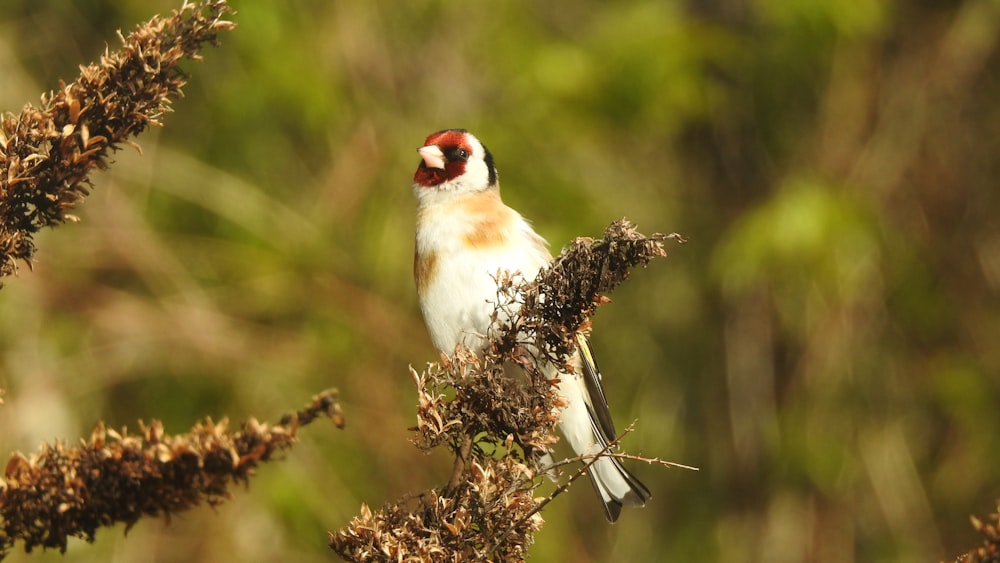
(582,429)
(586,423)
(616,486)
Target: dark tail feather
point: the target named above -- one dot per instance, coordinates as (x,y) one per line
(608,481)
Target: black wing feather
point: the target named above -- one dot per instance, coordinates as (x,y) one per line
(598,407)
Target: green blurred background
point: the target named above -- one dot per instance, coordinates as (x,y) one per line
(825,348)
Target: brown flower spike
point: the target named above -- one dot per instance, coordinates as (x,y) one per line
(989,551)
(47,152)
(63,491)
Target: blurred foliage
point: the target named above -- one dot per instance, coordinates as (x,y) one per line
(823,348)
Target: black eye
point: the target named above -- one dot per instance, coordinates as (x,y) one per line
(456,153)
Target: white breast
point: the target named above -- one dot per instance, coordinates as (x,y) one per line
(459,298)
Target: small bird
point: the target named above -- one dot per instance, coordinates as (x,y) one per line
(465,236)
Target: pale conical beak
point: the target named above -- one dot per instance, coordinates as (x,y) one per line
(432,155)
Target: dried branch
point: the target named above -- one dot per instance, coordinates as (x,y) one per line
(64,491)
(989,552)
(489,512)
(48,152)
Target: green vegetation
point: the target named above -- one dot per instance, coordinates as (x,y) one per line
(824,347)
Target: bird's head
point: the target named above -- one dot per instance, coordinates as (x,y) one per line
(455,161)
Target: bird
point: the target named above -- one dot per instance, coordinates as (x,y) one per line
(465,236)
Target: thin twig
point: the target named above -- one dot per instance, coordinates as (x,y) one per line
(563,487)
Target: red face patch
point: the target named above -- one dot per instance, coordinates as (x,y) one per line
(451,142)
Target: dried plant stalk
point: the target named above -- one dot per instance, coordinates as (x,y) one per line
(47,152)
(64,491)
(989,552)
(495,424)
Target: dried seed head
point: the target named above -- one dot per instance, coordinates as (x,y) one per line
(47,153)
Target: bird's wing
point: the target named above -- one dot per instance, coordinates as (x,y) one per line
(597,404)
